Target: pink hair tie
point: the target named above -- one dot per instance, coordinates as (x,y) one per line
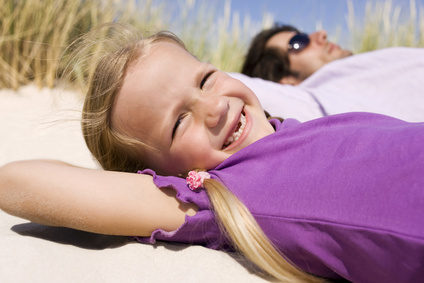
(195,179)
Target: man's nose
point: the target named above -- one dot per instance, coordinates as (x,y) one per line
(213,109)
(319,37)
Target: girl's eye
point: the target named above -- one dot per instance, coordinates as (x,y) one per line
(177,123)
(205,78)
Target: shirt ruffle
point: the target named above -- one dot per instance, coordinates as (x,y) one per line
(200,228)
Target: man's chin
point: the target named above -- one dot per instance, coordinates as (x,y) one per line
(346,53)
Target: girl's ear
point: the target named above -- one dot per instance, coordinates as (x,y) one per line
(290,80)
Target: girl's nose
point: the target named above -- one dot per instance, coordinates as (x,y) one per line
(213,109)
(320,37)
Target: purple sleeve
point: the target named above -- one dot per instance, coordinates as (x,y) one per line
(198,229)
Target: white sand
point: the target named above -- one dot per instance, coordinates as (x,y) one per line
(44,124)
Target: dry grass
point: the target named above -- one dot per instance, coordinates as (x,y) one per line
(386,25)
(34,33)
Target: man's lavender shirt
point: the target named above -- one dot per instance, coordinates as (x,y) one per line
(387,81)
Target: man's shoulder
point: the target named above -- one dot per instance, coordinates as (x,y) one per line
(390,51)
(381,60)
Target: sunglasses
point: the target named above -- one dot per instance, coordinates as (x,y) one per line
(298,42)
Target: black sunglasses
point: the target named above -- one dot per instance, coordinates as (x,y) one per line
(298,42)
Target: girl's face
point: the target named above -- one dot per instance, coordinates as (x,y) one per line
(194,115)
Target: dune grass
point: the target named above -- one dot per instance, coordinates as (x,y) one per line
(34,33)
(386,25)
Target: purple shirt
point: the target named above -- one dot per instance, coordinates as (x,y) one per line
(340,196)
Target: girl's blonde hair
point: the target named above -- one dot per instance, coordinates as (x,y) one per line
(120,46)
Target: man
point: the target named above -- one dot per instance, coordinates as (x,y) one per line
(283,54)
(298,82)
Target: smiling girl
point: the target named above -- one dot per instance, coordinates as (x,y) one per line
(337,197)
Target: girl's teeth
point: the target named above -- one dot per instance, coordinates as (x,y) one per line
(236,135)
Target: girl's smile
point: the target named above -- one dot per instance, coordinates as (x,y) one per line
(238,132)
(190,113)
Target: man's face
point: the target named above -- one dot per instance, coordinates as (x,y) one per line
(305,62)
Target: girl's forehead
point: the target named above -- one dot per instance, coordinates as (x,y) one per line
(165,44)
(153,55)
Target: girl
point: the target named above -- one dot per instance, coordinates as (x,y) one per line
(337,197)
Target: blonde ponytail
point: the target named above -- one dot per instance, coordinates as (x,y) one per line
(248,238)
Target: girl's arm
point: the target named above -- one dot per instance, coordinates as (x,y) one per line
(58,194)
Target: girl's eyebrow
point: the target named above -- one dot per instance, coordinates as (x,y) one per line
(170,120)
(204,70)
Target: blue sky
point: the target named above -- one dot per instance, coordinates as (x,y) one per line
(305,14)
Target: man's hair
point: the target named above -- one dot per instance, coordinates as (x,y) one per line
(268,63)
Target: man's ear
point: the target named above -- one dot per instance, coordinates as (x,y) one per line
(290,80)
